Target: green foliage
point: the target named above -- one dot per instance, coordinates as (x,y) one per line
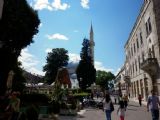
(80,94)
(55,59)
(85,71)
(104,79)
(85,52)
(18,79)
(18,25)
(85,74)
(32,112)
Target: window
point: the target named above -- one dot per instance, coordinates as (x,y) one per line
(134,48)
(142,56)
(153,51)
(139,61)
(148,26)
(137,43)
(136,65)
(141,38)
(131,51)
(133,69)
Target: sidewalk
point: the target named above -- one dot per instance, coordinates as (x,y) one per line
(136,101)
(133,112)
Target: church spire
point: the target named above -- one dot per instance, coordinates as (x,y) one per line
(92,44)
(91,30)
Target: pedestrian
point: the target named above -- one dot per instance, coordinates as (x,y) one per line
(14,105)
(108,106)
(115,99)
(140,99)
(121,110)
(152,104)
(126,100)
(92,95)
(120,98)
(97,94)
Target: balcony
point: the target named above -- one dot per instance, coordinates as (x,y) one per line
(150,66)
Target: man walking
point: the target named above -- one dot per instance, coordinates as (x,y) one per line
(140,100)
(152,103)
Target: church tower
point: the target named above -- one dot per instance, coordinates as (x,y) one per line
(92,44)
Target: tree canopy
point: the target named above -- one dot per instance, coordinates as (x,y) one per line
(104,79)
(56,59)
(18,25)
(85,70)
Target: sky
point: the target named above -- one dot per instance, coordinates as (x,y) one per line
(65,23)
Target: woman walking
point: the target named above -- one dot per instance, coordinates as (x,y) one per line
(108,106)
(121,110)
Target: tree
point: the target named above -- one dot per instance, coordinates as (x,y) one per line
(18,25)
(104,79)
(85,70)
(55,60)
(18,79)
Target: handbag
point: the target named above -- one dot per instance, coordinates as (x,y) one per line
(111,107)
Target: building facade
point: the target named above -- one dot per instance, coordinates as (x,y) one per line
(141,69)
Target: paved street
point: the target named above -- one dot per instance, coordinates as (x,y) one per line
(134,112)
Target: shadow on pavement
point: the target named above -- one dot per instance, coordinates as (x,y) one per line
(132,109)
(133,105)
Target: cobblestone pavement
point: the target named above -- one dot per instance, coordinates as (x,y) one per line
(134,112)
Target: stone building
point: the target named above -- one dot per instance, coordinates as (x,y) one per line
(141,68)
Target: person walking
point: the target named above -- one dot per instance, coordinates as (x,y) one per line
(152,105)
(121,110)
(14,105)
(108,106)
(140,100)
(126,100)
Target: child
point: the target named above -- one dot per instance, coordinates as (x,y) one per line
(121,110)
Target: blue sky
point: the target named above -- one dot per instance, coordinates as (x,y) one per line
(65,23)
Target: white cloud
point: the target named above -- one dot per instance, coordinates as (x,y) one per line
(29,62)
(85,4)
(40,25)
(74,57)
(42,4)
(57,36)
(48,50)
(55,5)
(99,66)
(118,70)
(36,71)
